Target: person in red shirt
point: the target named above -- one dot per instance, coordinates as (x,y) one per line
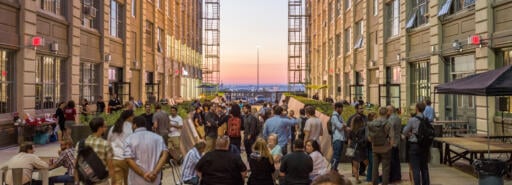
(70,116)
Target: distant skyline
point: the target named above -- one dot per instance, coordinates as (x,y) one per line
(244,25)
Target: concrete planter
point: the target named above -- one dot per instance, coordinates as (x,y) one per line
(79,132)
(325,140)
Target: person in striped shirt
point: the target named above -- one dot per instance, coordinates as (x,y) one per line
(66,159)
(189,174)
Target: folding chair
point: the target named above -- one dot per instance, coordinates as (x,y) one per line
(175,171)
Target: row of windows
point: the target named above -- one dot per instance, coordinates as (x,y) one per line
(418,16)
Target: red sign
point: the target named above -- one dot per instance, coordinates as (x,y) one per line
(37,41)
(4,73)
(475,40)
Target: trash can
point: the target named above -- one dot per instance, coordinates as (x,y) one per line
(490,171)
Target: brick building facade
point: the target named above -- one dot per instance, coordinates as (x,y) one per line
(94,48)
(396,51)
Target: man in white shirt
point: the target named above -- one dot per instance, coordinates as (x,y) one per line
(176,124)
(145,153)
(27,161)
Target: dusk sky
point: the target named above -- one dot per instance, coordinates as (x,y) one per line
(245,25)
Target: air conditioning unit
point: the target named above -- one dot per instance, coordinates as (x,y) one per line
(54,47)
(90,11)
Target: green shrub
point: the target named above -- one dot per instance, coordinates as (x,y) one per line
(183,110)
(328,108)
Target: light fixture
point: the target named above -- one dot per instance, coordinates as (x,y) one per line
(108,57)
(456,45)
(54,47)
(398,57)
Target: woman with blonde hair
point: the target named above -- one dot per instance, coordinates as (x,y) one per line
(261,163)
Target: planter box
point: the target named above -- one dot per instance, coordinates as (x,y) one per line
(8,136)
(79,132)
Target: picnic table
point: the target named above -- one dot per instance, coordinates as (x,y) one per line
(453,127)
(502,138)
(472,147)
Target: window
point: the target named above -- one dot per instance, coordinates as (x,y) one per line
(357,89)
(89,13)
(89,88)
(393,75)
(338,45)
(330,49)
(116,18)
(454,6)
(49,82)
(338,8)
(330,12)
(375,7)
(418,15)
(420,81)
(346,40)
(134,9)
(53,6)
(149,34)
(7,100)
(160,36)
(358,35)
(507,60)
(159,4)
(347,4)
(393,18)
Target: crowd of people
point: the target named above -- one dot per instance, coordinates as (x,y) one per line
(133,150)
(280,147)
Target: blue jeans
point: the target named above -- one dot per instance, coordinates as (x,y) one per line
(337,147)
(395,174)
(60,179)
(193,181)
(370,165)
(419,159)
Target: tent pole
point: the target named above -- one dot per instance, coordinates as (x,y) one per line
(488,134)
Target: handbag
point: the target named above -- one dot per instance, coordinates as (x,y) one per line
(351,151)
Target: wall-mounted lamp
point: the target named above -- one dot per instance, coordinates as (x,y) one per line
(54,47)
(457,45)
(398,57)
(108,57)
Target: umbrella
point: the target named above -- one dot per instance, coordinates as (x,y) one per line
(496,82)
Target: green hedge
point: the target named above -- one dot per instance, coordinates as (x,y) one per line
(328,108)
(183,110)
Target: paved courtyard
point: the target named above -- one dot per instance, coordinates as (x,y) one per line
(440,174)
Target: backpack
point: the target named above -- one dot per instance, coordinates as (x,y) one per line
(90,167)
(330,128)
(379,135)
(426,133)
(303,120)
(234,126)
